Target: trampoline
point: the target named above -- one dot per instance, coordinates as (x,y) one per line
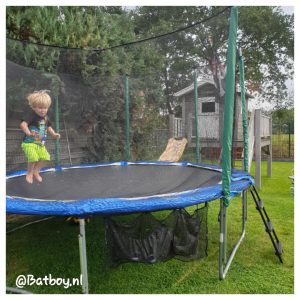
(109,189)
(121,187)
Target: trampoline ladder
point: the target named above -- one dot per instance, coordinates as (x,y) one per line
(267,222)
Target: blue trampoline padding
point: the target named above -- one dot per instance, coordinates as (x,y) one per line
(124,205)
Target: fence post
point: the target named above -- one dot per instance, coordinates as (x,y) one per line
(270,157)
(289,124)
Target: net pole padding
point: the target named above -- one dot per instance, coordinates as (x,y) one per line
(244,111)
(196,116)
(57,141)
(127,119)
(229,106)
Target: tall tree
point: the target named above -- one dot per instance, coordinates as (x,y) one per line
(158,67)
(265,36)
(267,39)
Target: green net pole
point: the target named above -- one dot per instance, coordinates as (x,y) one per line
(229,106)
(244,112)
(57,142)
(127,119)
(196,116)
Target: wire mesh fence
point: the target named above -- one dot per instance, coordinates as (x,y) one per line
(283,140)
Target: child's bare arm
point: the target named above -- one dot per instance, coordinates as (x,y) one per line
(54,134)
(25,129)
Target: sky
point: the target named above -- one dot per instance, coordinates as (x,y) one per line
(288,9)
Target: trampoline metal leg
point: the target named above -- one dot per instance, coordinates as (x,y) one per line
(83,257)
(245,209)
(223,238)
(224,264)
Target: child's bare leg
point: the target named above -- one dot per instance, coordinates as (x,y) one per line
(29,176)
(36,170)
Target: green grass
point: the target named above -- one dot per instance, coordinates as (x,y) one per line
(51,247)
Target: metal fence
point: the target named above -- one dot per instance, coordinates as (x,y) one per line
(283,140)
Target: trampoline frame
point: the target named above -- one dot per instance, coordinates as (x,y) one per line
(116,205)
(224,263)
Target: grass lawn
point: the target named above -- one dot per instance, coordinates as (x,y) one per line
(51,247)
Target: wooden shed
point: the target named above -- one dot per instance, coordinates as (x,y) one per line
(210,117)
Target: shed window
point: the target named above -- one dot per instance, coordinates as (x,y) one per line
(208,107)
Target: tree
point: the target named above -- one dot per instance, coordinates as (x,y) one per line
(91,78)
(265,36)
(267,39)
(88,39)
(183,50)
(283,116)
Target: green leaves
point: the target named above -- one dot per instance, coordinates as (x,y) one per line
(267,41)
(89,80)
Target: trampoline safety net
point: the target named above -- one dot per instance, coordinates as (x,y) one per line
(147,239)
(123,103)
(90,87)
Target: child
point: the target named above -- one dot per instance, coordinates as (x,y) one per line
(36,125)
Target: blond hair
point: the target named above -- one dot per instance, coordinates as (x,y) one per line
(39,99)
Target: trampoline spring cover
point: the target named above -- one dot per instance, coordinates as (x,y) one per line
(121,187)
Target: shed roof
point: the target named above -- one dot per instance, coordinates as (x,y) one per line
(203,82)
(190,88)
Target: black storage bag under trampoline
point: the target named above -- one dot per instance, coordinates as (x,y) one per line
(147,239)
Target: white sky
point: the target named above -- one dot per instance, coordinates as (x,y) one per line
(288,9)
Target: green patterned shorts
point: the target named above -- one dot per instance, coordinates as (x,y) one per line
(34,152)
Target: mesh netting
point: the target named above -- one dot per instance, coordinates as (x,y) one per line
(154,81)
(90,89)
(148,239)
